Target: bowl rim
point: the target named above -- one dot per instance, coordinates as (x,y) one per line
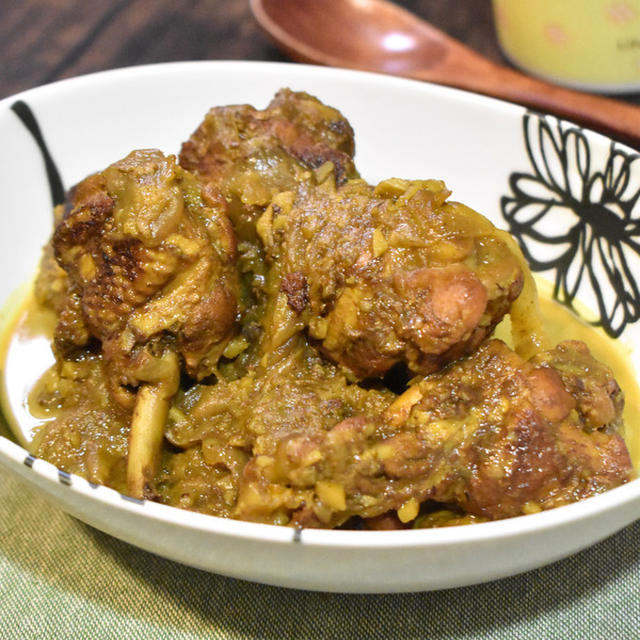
(327,538)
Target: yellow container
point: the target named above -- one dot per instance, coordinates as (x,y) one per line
(586,44)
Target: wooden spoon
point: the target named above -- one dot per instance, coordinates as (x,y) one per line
(377,35)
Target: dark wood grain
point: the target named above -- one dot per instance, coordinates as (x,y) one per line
(46,40)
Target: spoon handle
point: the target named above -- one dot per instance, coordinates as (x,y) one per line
(618,120)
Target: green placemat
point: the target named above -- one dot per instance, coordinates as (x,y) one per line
(62,579)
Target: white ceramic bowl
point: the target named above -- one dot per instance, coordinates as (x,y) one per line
(561,189)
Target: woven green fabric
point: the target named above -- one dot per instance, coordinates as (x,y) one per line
(62,579)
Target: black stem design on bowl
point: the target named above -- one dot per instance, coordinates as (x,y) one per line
(577,214)
(24,112)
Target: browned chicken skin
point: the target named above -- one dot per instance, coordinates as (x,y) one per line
(389,274)
(250,155)
(150,263)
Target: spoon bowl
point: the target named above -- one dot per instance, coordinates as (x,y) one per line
(377,35)
(387,37)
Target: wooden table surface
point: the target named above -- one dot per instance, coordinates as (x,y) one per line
(46,40)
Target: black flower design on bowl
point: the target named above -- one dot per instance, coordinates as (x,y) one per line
(576,215)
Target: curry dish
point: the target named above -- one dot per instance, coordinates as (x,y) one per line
(251,330)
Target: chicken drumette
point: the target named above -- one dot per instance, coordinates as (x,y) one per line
(150,264)
(493,435)
(389,274)
(250,155)
(222,427)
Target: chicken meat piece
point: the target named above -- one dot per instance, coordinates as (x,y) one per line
(150,260)
(493,435)
(389,274)
(247,156)
(250,155)
(219,428)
